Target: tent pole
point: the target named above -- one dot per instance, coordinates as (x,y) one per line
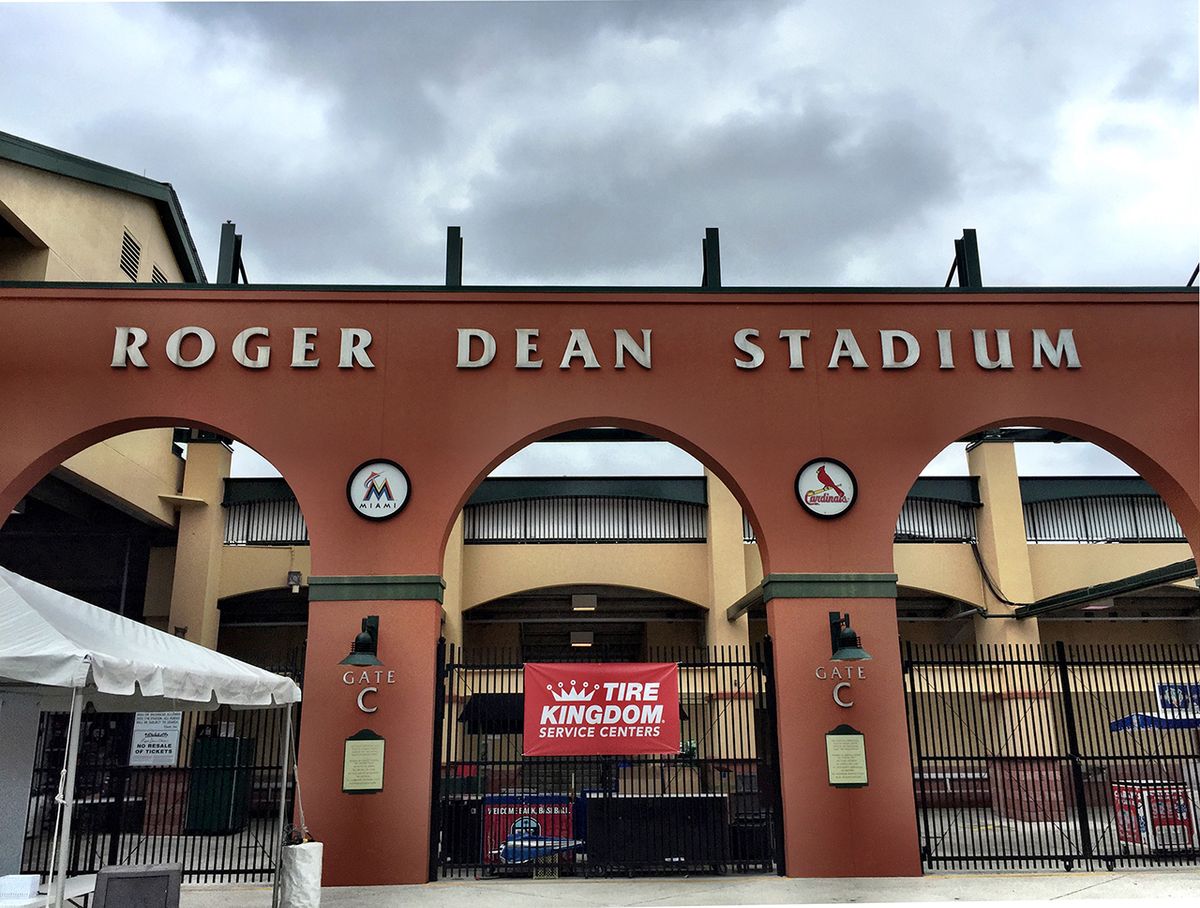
(284,755)
(64,845)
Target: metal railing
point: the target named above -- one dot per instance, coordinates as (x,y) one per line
(265,523)
(584,519)
(1054,755)
(1109,518)
(920,520)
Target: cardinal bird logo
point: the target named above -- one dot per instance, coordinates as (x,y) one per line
(831,493)
(823,475)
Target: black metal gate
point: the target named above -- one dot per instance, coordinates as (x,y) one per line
(213,806)
(714,807)
(1055,756)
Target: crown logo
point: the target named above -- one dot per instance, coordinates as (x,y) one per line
(572,695)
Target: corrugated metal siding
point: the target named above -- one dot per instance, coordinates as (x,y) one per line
(921,520)
(1141,518)
(928,520)
(596,519)
(265,523)
(584,520)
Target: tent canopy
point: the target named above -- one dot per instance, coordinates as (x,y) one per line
(51,643)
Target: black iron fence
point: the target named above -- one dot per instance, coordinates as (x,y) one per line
(712,807)
(199,788)
(1054,755)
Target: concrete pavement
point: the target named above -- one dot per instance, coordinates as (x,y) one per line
(1182,885)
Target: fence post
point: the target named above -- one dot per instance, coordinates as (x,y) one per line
(918,763)
(1081,811)
(435,791)
(768,661)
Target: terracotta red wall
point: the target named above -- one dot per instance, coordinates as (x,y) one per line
(1138,393)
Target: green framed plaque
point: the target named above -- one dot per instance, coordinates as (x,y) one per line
(846,757)
(362,763)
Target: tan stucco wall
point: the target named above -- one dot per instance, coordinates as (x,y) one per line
(159,576)
(492,571)
(1058,568)
(250,568)
(82,225)
(130,472)
(944,570)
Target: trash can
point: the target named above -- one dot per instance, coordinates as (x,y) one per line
(1154,814)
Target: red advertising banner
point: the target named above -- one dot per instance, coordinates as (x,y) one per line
(574,709)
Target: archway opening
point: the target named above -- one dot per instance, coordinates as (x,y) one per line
(1044,530)
(604,545)
(138,519)
(603,512)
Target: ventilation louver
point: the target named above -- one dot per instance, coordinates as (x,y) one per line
(131,254)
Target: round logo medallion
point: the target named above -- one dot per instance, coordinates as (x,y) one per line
(378,489)
(826,487)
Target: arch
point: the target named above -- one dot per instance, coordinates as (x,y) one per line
(657,430)
(40,464)
(639,588)
(1160,477)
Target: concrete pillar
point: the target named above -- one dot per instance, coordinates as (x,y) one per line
(379,838)
(1002,544)
(452,573)
(1032,787)
(18,745)
(726,566)
(198,554)
(831,831)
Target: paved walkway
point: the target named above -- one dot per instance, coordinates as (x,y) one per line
(964,888)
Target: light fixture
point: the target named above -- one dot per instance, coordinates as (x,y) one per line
(583,603)
(366,644)
(293,580)
(582,638)
(843,641)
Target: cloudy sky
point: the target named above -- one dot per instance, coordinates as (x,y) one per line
(834,143)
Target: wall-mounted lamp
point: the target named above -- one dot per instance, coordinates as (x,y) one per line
(294,580)
(366,643)
(843,641)
(582,638)
(180,630)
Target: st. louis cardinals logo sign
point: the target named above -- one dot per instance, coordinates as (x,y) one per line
(826,487)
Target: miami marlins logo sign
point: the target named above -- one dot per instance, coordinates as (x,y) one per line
(378,489)
(826,487)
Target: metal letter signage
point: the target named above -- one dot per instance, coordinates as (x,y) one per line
(601,708)
(826,487)
(378,489)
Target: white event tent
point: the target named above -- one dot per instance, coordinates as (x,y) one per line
(68,653)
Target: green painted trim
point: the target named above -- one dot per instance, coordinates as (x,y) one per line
(828,586)
(1180,570)
(751,601)
(53,160)
(376,588)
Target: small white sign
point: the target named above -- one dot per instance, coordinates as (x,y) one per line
(826,487)
(378,489)
(155,739)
